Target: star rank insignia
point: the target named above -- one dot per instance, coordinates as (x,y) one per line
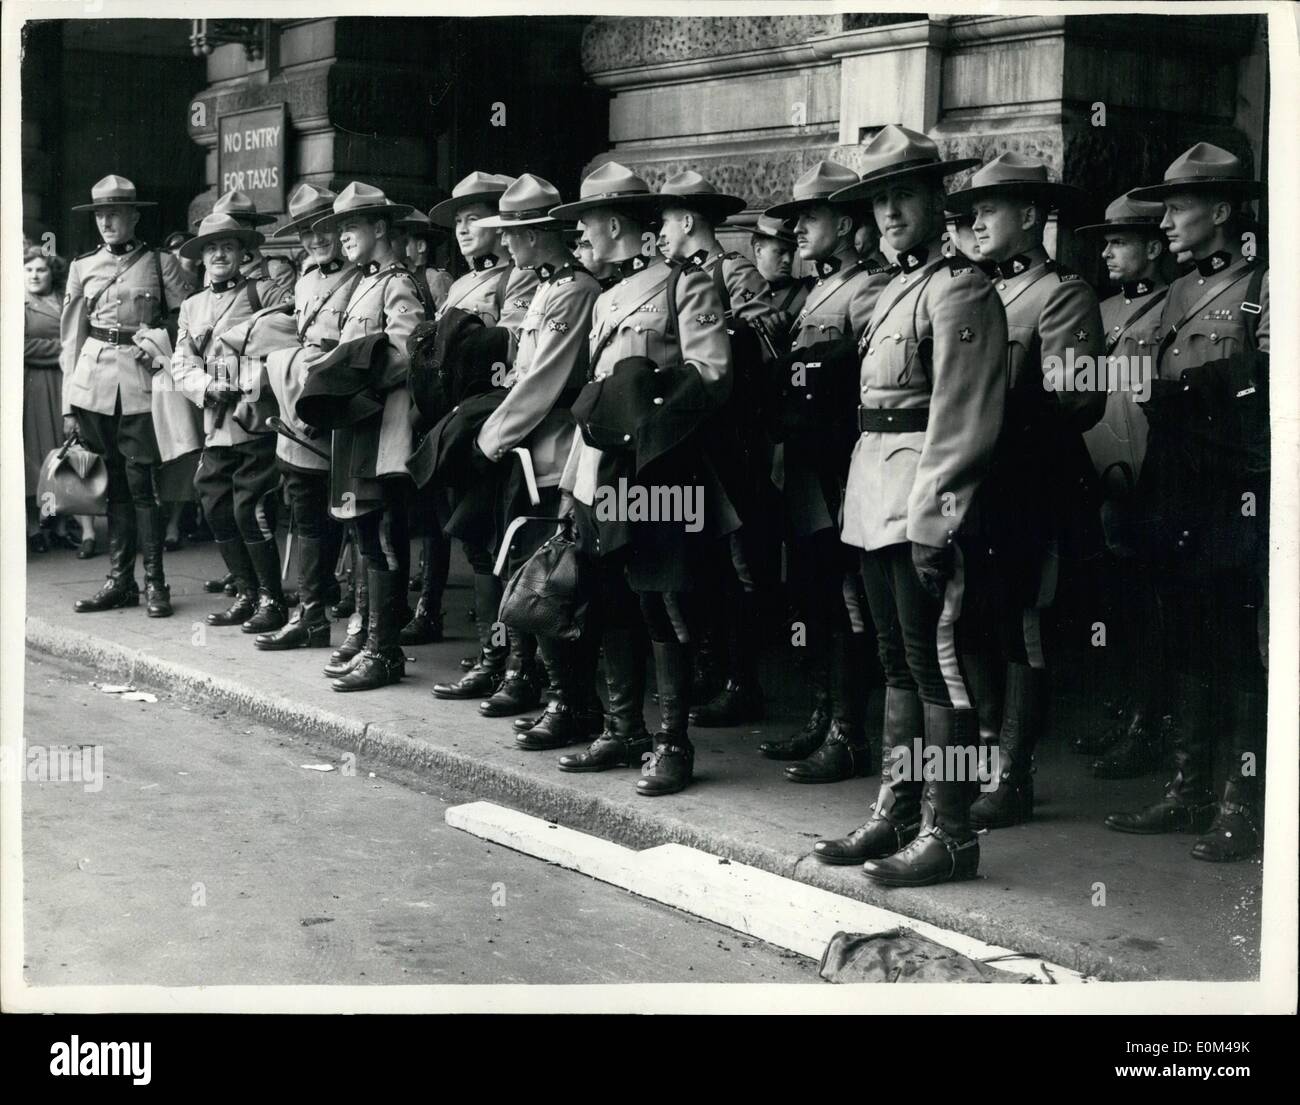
(517,303)
(746,295)
(1081,334)
(966,334)
(706,319)
(558,326)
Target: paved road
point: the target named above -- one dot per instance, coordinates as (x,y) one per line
(211,856)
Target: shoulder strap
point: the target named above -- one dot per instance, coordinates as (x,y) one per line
(720,282)
(254,300)
(1192,312)
(1251,307)
(674,328)
(499,297)
(93,302)
(1156,299)
(674,274)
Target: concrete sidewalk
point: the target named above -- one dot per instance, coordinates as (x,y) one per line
(1165,916)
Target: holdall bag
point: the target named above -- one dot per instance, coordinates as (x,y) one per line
(73,480)
(547,595)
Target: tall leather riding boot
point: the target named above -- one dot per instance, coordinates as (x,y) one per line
(235,554)
(381,661)
(345,656)
(672,760)
(896,812)
(817,673)
(845,753)
(120,588)
(519,689)
(1012,801)
(425,626)
(271,612)
(1238,827)
(946,849)
(740,699)
(150,532)
(331,542)
(1138,749)
(1188,803)
(483,679)
(346,604)
(986,675)
(566,720)
(309,627)
(624,739)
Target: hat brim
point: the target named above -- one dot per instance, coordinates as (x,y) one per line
(714,206)
(873,182)
(545,222)
(1151,226)
(97,206)
(1244,189)
(393,212)
(444,214)
(303,222)
(647,204)
(1058,197)
(245,236)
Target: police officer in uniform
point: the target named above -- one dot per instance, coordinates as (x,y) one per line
(236,478)
(371,460)
(749,561)
(833,744)
(546,372)
(1203,503)
(499,292)
(320,299)
(932,393)
(643,570)
(1055,335)
(1133,247)
(773,244)
(416,241)
(114,290)
(274,278)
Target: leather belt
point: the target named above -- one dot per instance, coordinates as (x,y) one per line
(897,420)
(113,336)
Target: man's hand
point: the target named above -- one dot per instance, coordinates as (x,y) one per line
(219,392)
(70,426)
(934,567)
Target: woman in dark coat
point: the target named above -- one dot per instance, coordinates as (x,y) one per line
(43,386)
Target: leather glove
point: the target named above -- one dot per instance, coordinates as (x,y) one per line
(70,426)
(218,394)
(934,567)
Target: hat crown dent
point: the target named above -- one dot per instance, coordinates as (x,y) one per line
(479,181)
(236,203)
(1010,168)
(112,187)
(218,221)
(1125,208)
(822,179)
(612,179)
(688,183)
(1207,162)
(898,145)
(529,193)
(307,198)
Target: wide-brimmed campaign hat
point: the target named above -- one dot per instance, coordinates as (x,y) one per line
(1015,174)
(897,152)
(1126,213)
(306,205)
(216,226)
(527,202)
(240,205)
(761,226)
(690,190)
(817,185)
(475,188)
(1203,168)
(359,199)
(112,191)
(612,185)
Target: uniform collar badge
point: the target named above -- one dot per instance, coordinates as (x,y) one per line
(331,267)
(545,270)
(698,257)
(370,268)
(122,247)
(1012,266)
(1133,288)
(629,265)
(913,259)
(224,285)
(1215,262)
(487,261)
(828,267)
